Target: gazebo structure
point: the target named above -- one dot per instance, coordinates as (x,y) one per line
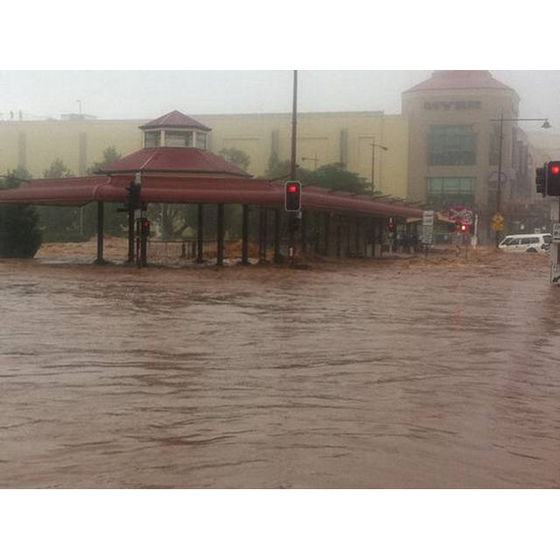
(175,167)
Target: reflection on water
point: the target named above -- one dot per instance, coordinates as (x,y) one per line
(366,375)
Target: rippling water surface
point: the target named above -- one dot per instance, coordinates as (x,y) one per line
(404,374)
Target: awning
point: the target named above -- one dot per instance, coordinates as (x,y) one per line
(77,191)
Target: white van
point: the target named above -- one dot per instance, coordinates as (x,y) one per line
(526,243)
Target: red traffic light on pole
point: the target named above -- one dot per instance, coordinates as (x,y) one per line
(292,196)
(553,178)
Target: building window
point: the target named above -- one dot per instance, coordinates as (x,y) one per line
(152,138)
(201,140)
(178,139)
(446,192)
(451,145)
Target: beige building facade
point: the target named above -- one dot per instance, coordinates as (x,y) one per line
(352,138)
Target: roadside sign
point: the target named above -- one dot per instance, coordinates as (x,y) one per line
(428,227)
(428,218)
(462,215)
(497,222)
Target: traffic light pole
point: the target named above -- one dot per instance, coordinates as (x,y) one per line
(292,217)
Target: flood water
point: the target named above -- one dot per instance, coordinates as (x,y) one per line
(395,374)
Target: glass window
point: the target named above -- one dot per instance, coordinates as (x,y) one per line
(152,138)
(514,242)
(201,140)
(446,192)
(451,145)
(178,139)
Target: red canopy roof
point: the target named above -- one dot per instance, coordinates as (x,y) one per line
(211,190)
(188,160)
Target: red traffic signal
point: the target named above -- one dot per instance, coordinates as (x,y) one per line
(553,178)
(463,228)
(292,196)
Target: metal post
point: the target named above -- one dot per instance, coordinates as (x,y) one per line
(338,238)
(499,189)
(373,165)
(245,236)
(143,241)
(200,233)
(220,235)
(292,217)
(327,232)
(277,218)
(304,218)
(357,225)
(131,226)
(100,223)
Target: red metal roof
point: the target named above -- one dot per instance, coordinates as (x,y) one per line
(459,79)
(210,190)
(175,119)
(191,160)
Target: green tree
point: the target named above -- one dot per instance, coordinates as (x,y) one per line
(237,157)
(59,223)
(331,176)
(335,176)
(57,170)
(115,223)
(20,236)
(110,155)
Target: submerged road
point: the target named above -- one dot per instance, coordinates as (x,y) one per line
(442,373)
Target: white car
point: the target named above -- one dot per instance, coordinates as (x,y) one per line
(526,243)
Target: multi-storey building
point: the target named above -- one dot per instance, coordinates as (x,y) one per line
(454,119)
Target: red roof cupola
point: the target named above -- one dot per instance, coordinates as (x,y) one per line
(175,130)
(176,144)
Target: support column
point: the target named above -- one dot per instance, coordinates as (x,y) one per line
(131,230)
(338,238)
(100,224)
(200,233)
(304,218)
(357,233)
(327,218)
(143,240)
(245,236)
(220,235)
(277,218)
(262,235)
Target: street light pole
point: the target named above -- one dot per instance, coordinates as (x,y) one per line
(373,146)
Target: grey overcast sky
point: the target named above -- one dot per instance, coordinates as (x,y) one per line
(147,94)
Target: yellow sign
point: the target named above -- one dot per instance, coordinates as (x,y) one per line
(497,222)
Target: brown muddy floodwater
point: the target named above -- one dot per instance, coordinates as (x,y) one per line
(399,373)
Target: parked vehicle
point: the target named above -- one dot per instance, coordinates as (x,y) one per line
(526,243)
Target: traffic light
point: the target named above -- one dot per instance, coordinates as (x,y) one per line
(541,180)
(553,178)
(292,196)
(463,228)
(133,198)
